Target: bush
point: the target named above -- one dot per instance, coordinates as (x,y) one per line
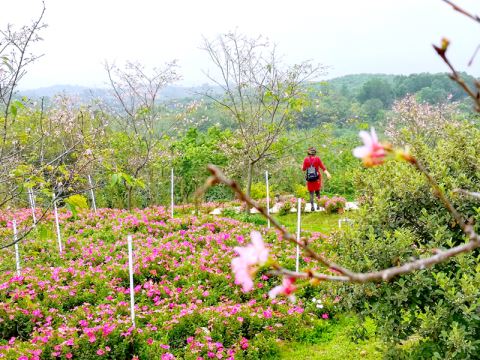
(334,205)
(301,191)
(259,191)
(431,313)
(290,204)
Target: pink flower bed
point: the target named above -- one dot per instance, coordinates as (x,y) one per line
(187,305)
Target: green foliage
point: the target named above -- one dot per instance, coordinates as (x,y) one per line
(300,191)
(429,313)
(259,191)
(194,152)
(76,202)
(376,89)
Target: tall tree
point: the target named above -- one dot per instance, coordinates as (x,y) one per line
(257,91)
(137,92)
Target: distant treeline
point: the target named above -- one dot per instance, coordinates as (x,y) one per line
(353,99)
(367,97)
(341,101)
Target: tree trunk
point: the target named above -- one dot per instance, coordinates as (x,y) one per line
(129,197)
(249,182)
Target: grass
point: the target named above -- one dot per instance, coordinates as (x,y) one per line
(342,338)
(339,341)
(316,221)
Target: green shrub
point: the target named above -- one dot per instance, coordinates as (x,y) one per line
(433,313)
(259,191)
(301,191)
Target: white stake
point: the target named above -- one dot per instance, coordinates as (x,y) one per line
(130,270)
(31,199)
(268,199)
(15,238)
(92,194)
(299,207)
(171,192)
(57,224)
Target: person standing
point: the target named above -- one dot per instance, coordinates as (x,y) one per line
(312,165)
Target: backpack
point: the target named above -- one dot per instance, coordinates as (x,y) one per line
(312,173)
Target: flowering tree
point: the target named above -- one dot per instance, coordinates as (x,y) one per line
(257,92)
(15,54)
(138,115)
(421,119)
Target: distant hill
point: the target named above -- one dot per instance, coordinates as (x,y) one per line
(355,81)
(349,85)
(85,94)
(82,92)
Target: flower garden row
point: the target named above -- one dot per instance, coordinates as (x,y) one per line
(288,204)
(76,304)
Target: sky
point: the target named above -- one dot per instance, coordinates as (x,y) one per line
(348,36)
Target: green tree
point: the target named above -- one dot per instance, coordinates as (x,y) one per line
(376,89)
(138,116)
(258,93)
(193,152)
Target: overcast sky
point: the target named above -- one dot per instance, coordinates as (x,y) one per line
(350,36)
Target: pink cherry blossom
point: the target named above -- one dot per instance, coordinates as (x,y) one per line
(287,288)
(244,266)
(372,152)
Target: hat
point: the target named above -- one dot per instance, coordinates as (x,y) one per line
(311,151)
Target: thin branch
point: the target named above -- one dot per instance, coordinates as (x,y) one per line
(462,11)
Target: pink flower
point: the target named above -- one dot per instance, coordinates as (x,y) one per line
(100,352)
(325,316)
(244,266)
(37,313)
(244,344)
(287,288)
(372,152)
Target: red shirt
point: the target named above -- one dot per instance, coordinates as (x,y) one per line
(318,164)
